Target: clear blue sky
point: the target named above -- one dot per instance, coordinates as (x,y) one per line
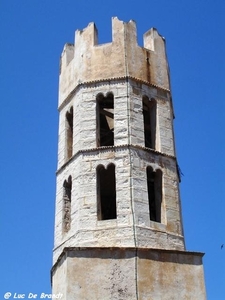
(32,36)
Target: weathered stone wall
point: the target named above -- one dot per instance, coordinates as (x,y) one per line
(128,116)
(87,61)
(144,274)
(129,72)
(132,226)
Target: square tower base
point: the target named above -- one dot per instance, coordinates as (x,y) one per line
(128,273)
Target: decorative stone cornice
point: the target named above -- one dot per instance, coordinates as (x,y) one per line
(86,84)
(113,148)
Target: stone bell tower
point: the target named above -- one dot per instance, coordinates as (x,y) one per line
(118,223)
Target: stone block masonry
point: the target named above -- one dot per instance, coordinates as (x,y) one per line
(118,223)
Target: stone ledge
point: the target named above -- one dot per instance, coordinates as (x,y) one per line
(86,84)
(134,249)
(112,148)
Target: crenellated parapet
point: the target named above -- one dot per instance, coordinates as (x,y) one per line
(118,223)
(87,61)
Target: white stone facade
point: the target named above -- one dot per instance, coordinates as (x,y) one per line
(130,159)
(129,73)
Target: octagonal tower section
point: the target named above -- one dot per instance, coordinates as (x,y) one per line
(117,175)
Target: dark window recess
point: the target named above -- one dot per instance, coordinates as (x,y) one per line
(105,120)
(69,132)
(154,180)
(67,189)
(106,191)
(149,116)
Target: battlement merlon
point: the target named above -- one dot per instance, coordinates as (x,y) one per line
(88,61)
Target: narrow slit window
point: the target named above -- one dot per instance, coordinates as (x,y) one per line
(69,132)
(67,190)
(149,118)
(154,182)
(106,193)
(105,120)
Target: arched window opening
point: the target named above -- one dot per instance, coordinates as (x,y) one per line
(105,120)
(154,181)
(149,116)
(69,132)
(67,189)
(106,193)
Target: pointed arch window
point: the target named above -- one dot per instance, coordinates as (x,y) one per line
(149,118)
(105,120)
(154,183)
(106,193)
(67,190)
(69,133)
